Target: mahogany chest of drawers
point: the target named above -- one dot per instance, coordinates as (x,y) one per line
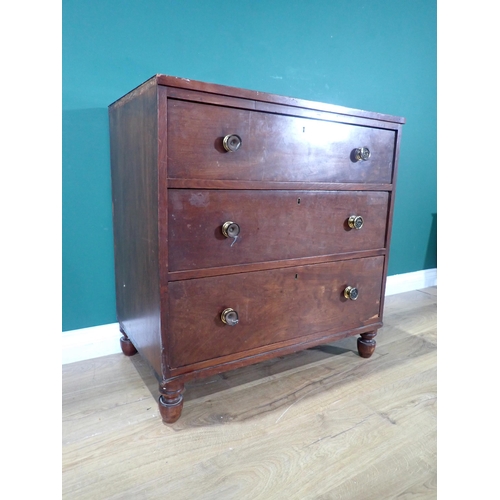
(247,226)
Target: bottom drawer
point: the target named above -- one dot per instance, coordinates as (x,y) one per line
(272,306)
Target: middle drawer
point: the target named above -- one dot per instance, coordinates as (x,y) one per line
(270,225)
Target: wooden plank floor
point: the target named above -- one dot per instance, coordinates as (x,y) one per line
(321,424)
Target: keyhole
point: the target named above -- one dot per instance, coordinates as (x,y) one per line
(296,276)
(298,201)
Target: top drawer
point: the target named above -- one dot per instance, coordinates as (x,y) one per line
(273,147)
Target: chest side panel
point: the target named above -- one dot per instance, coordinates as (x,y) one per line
(134,146)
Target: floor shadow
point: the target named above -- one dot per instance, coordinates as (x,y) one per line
(323,369)
(248,374)
(318,364)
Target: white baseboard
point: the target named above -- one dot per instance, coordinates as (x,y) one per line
(407,282)
(97,341)
(92,342)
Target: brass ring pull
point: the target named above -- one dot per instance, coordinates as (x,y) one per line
(351,293)
(362,154)
(231,142)
(229,317)
(230,229)
(355,222)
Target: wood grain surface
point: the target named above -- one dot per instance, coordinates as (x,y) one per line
(274,147)
(273,306)
(274,225)
(320,424)
(299,173)
(135,219)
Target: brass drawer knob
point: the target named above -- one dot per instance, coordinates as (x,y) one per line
(355,221)
(351,293)
(231,142)
(362,154)
(230,229)
(229,317)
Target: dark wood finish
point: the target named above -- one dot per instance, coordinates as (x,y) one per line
(273,306)
(258,185)
(126,345)
(263,353)
(275,264)
(204,89)
(366,344)
(255,104)
(171,401)
(275,225)
(134,176)
(274,147)
(290,187)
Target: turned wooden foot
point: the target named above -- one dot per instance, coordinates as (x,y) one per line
(366,344)
(171,401)
(127,347)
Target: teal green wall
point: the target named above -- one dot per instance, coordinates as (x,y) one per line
(374,55)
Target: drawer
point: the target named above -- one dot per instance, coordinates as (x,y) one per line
(273,225)
(273,147)
(272,306)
